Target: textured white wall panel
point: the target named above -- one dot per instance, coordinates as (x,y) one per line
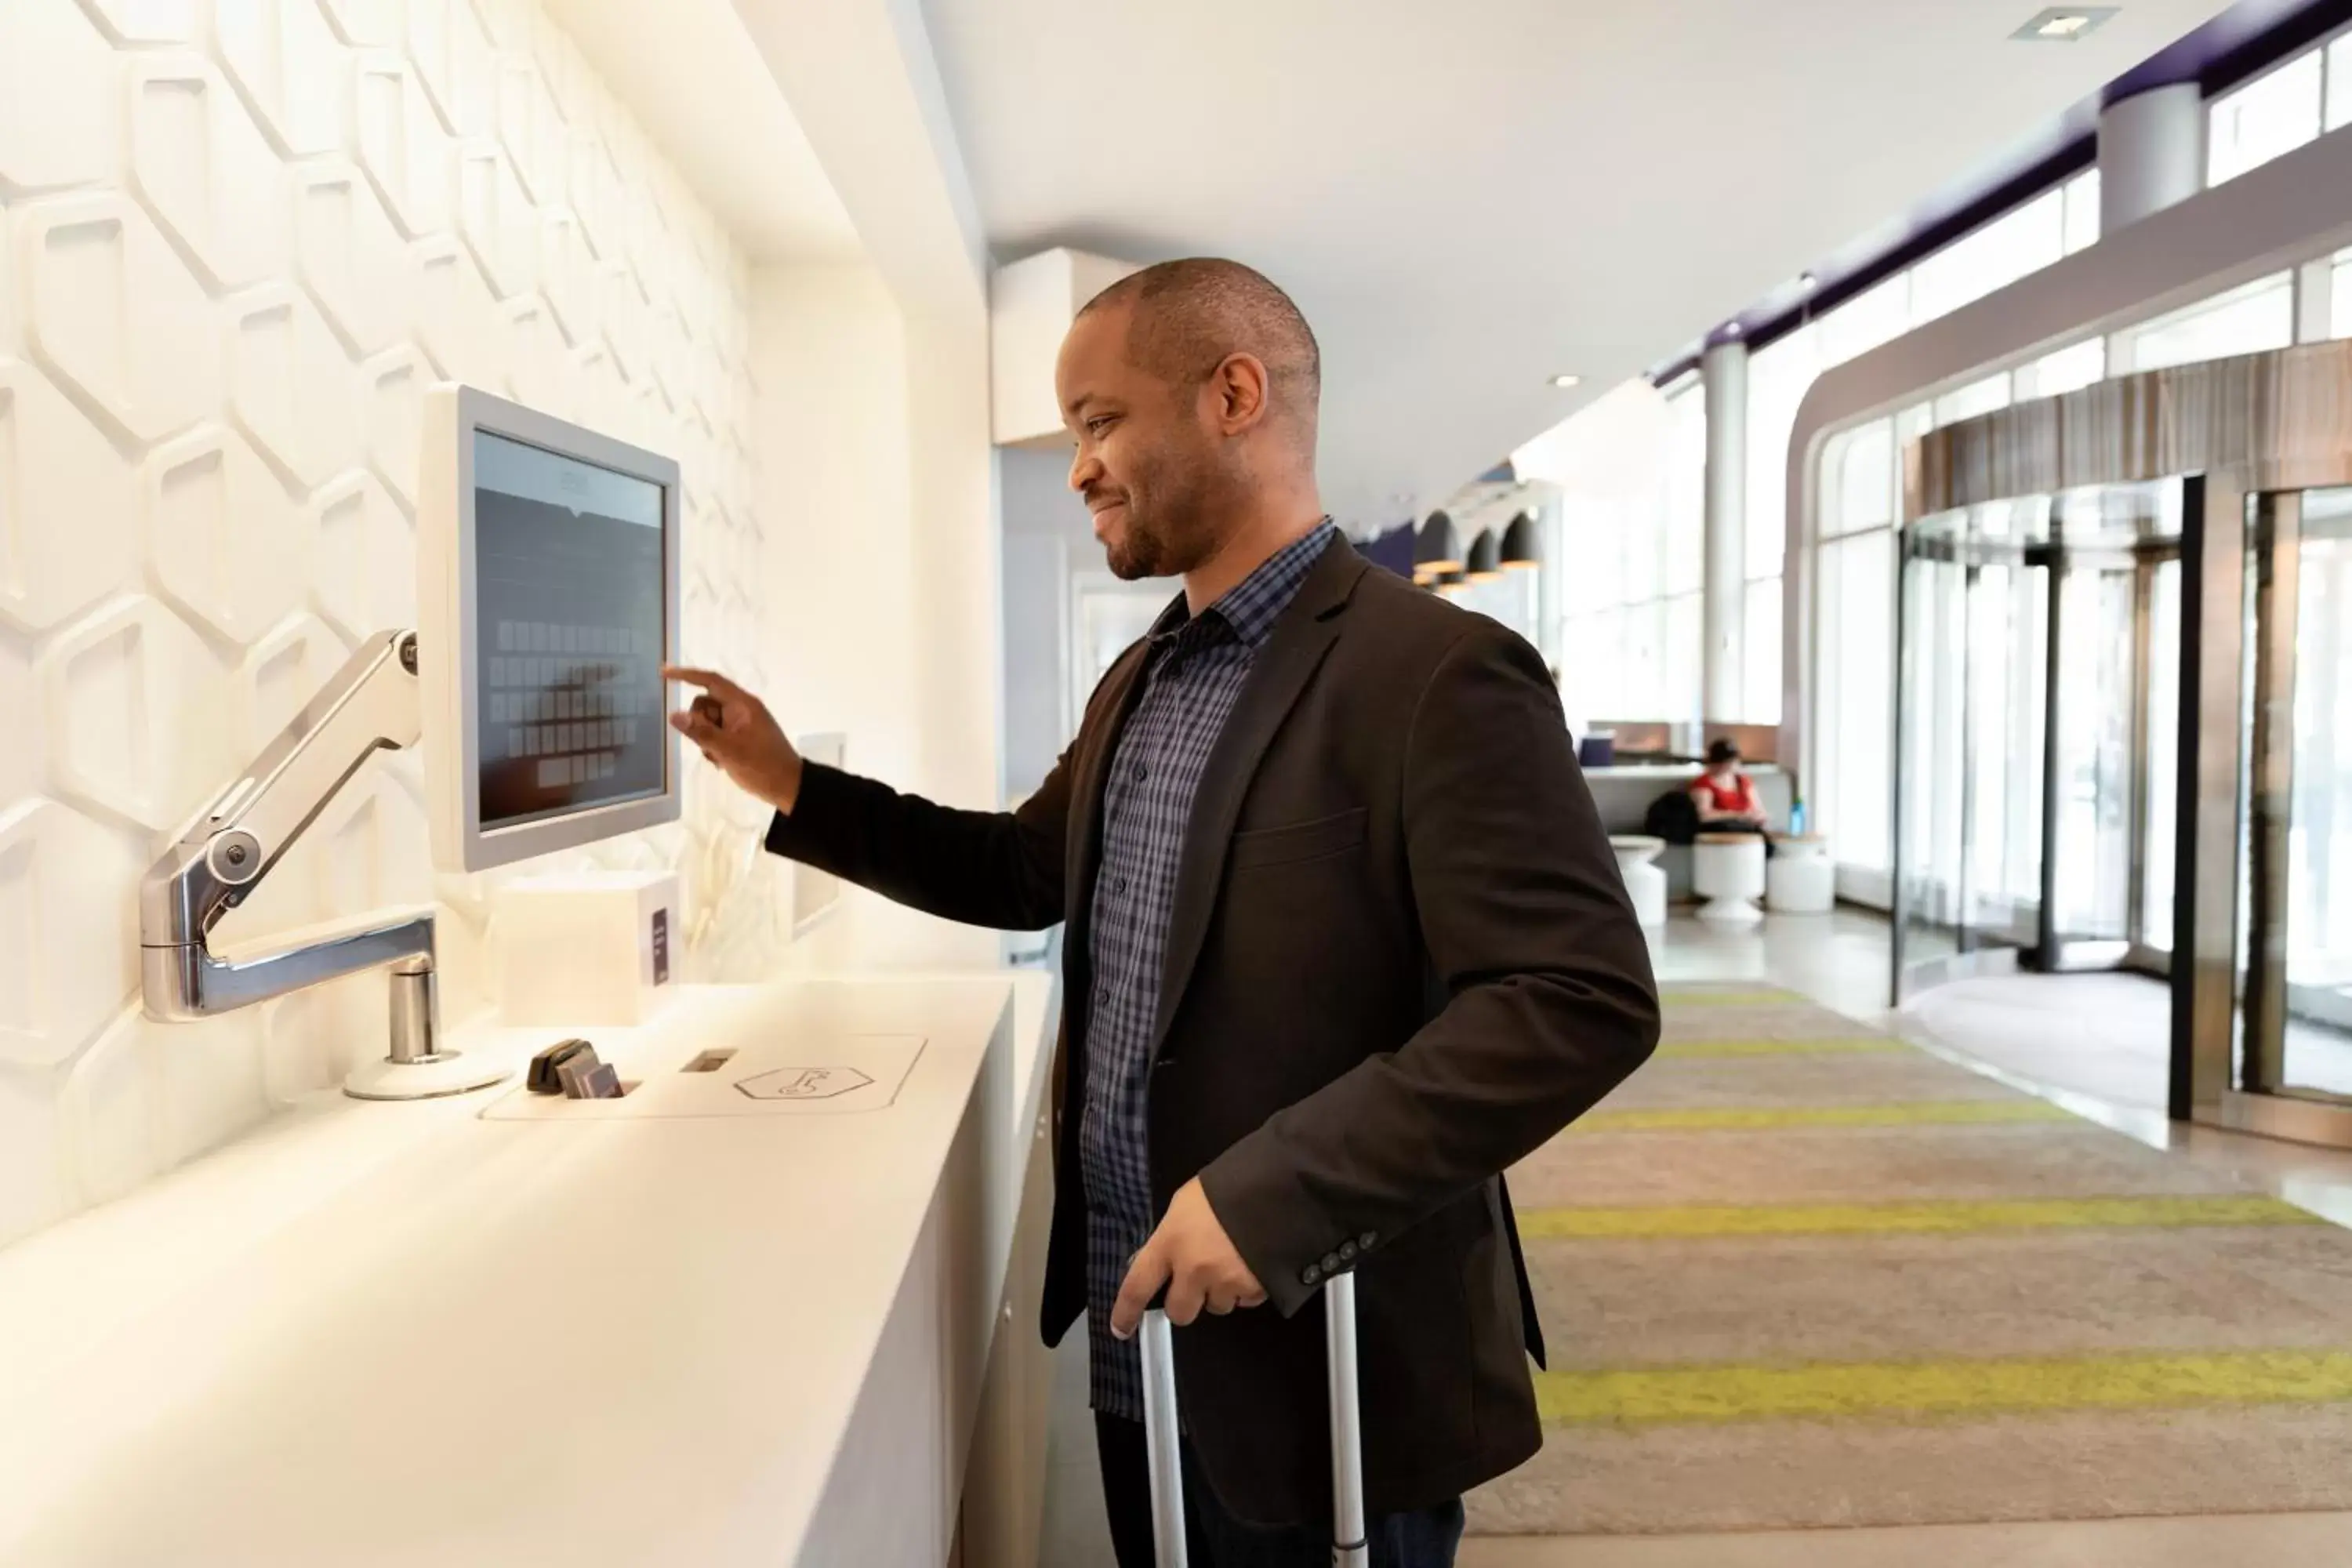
(205,171)
(36,1184)
(224,538)
(60,112)
(68,534)
(293,72)
(69,929)
(134,703)
(365,581)
(291,388)
(146,21)
(402,145)
(350,259)
(113,311)
(367,23)
(241,239)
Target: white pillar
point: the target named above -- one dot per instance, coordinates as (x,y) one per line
(2151,153)
(1724,600)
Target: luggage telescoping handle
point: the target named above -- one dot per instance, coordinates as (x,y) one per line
(1349,1548)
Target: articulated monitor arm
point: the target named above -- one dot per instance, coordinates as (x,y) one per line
(371,704)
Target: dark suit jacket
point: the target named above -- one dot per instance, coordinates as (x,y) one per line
(1401,958)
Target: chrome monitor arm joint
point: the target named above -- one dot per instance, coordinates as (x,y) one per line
(371,704)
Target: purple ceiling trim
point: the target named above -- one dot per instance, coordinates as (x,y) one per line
(2233,45)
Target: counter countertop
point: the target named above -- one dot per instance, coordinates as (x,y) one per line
(407,1333)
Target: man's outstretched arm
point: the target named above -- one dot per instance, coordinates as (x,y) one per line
(1000,869)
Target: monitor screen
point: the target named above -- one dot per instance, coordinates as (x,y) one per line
(568,605)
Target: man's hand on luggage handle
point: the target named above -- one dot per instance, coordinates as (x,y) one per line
(1193,1256)
(736,732)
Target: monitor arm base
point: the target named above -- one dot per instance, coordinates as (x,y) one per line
(370,705)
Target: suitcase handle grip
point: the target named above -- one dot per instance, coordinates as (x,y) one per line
(1350,1548)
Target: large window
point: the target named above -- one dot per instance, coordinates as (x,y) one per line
(2024,239)
(2268,117)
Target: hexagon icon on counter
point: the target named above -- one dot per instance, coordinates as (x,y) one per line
(290,64)
(131,705)
(69,930)
(224,538)
(365,581)
(803,1083)
(60,121)
(291,387)
(113,312)
(68,523)
(203,167)
(351,257)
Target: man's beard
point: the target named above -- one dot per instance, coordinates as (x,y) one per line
(1165,537)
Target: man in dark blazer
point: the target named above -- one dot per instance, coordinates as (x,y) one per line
(1344,940)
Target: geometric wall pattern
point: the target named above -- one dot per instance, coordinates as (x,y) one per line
(238,242)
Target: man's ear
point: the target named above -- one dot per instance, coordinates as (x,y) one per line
(1242,389)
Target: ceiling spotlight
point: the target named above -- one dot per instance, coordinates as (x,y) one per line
(1566,381)
(1807,282)
(1731,331)
(2064,24)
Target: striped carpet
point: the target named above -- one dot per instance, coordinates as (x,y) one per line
(1796,1274)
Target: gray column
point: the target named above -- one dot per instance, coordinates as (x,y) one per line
(2151,153)
(1723,654)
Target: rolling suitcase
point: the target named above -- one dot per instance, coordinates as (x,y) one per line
(1349,1548)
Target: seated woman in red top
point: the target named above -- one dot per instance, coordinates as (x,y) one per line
(1725,797)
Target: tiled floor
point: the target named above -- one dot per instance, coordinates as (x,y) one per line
(1840,960)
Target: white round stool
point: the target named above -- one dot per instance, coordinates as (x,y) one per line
(1645,883)
(1801,880)
(1728,870)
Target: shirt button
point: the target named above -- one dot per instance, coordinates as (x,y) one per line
(1309,1274)
(1366,1240)
(1119,884)
(1347,1252)
(1139,772)
(1330,1263)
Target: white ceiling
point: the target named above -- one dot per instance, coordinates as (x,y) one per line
(690,74)
(1465,198)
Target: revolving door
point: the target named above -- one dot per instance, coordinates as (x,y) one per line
(2037,697)
(2124,715)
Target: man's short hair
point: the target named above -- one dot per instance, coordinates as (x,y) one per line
(1190,315)
(1723,751)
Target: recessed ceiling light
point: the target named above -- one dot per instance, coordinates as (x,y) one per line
(2064,24)
(1565,381)
(1807,282)
(1732,330)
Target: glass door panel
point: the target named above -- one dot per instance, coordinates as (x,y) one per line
(2160,757)
(2317,894)
(2096,660)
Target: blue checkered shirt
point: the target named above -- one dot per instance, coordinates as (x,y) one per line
(1192,677)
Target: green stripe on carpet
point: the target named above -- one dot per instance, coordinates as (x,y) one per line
(1840,1045)
(1687,1395)
(1675,997)
(1915,1113)
(1940,1216)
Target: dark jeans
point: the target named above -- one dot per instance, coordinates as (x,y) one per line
(1424,1539)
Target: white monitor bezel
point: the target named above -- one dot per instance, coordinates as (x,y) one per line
(449,639)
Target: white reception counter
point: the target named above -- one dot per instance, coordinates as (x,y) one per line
(446,1333)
